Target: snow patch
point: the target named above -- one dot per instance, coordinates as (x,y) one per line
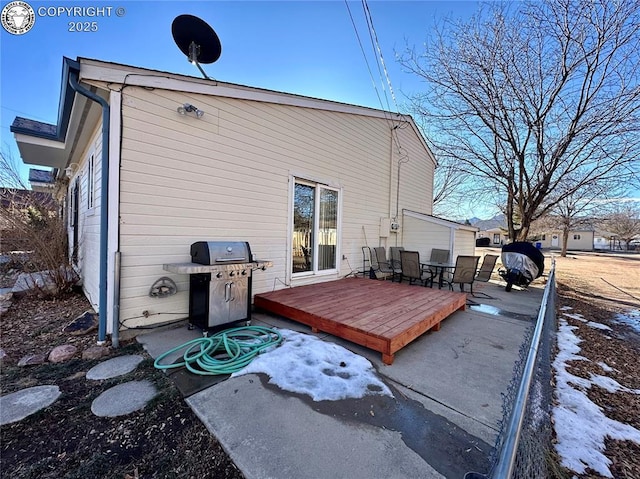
(604,327)
(580,424)
(577,317)
(605,367)
(631,318)
(324,371)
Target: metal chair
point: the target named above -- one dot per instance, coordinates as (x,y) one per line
(464,272)
(484,273)
(437,256)
(440,255)
(411,269)
(380,264)
(395,257)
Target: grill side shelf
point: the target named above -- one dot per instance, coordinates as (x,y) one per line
(195,268)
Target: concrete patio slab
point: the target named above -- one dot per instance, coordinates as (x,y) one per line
(447,385)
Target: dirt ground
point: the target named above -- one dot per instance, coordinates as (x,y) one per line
(166,440)
(599,286)
(612,280)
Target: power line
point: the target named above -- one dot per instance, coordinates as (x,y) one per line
(376,46)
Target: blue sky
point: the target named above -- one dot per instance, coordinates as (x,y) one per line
(303,47)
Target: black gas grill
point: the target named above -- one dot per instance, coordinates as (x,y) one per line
(220,277)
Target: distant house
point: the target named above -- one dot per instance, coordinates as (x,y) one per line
(156,161)
(579,240)
(495,229)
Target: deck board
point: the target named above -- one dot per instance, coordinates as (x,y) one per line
(379,315)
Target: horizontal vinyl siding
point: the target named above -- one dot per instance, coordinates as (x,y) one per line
(89,218)
(465,243)
(423,236)
(226,177)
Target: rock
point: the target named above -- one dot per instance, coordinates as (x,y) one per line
(2,354)
(6,295)
(43,280)
(62,353)
(32,360)
(83,324)
(95,352)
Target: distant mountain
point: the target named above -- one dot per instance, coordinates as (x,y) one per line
(498,221)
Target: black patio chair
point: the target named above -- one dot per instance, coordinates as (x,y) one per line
(411,269)
(437,256)
(395,257)
(464,272)
(380,264)
(484,274)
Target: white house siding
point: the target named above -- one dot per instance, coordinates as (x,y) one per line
(88,217)
(464,243)
(422,234)
(577,241)
(226,177)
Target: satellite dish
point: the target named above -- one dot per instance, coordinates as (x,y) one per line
(196,39)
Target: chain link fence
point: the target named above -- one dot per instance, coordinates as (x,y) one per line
(523,448)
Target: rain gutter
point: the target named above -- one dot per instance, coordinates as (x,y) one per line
(74,72)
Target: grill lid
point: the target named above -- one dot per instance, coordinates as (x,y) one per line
(220,252)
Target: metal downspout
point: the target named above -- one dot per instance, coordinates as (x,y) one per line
(104,200)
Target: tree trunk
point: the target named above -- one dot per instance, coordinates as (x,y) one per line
(523,232)
(565,241)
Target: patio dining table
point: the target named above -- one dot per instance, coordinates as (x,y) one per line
(439,268)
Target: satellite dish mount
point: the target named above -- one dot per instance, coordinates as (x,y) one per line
(197,40)
(194,53)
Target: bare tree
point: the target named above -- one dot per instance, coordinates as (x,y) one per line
(525,98)
(32,234)
(624,222)
(581,209)
(10,171)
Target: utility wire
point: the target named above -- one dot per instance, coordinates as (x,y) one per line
(355,29)
(376,45)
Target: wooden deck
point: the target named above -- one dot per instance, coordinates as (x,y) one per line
(379,315)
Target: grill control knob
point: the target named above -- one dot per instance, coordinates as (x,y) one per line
(244,272)
(232,273)
(219,275)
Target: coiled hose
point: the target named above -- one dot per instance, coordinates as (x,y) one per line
(225,352)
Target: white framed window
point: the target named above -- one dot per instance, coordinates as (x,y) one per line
(576,237)
(316,227)
(91,181)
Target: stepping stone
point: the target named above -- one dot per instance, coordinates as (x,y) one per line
(20,404)
(114,367)
(124,399)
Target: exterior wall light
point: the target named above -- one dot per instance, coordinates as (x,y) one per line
(70,170)
(189,108)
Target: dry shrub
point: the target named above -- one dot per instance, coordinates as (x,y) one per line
(35,238)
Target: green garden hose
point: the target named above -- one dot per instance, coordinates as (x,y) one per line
(225,352)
